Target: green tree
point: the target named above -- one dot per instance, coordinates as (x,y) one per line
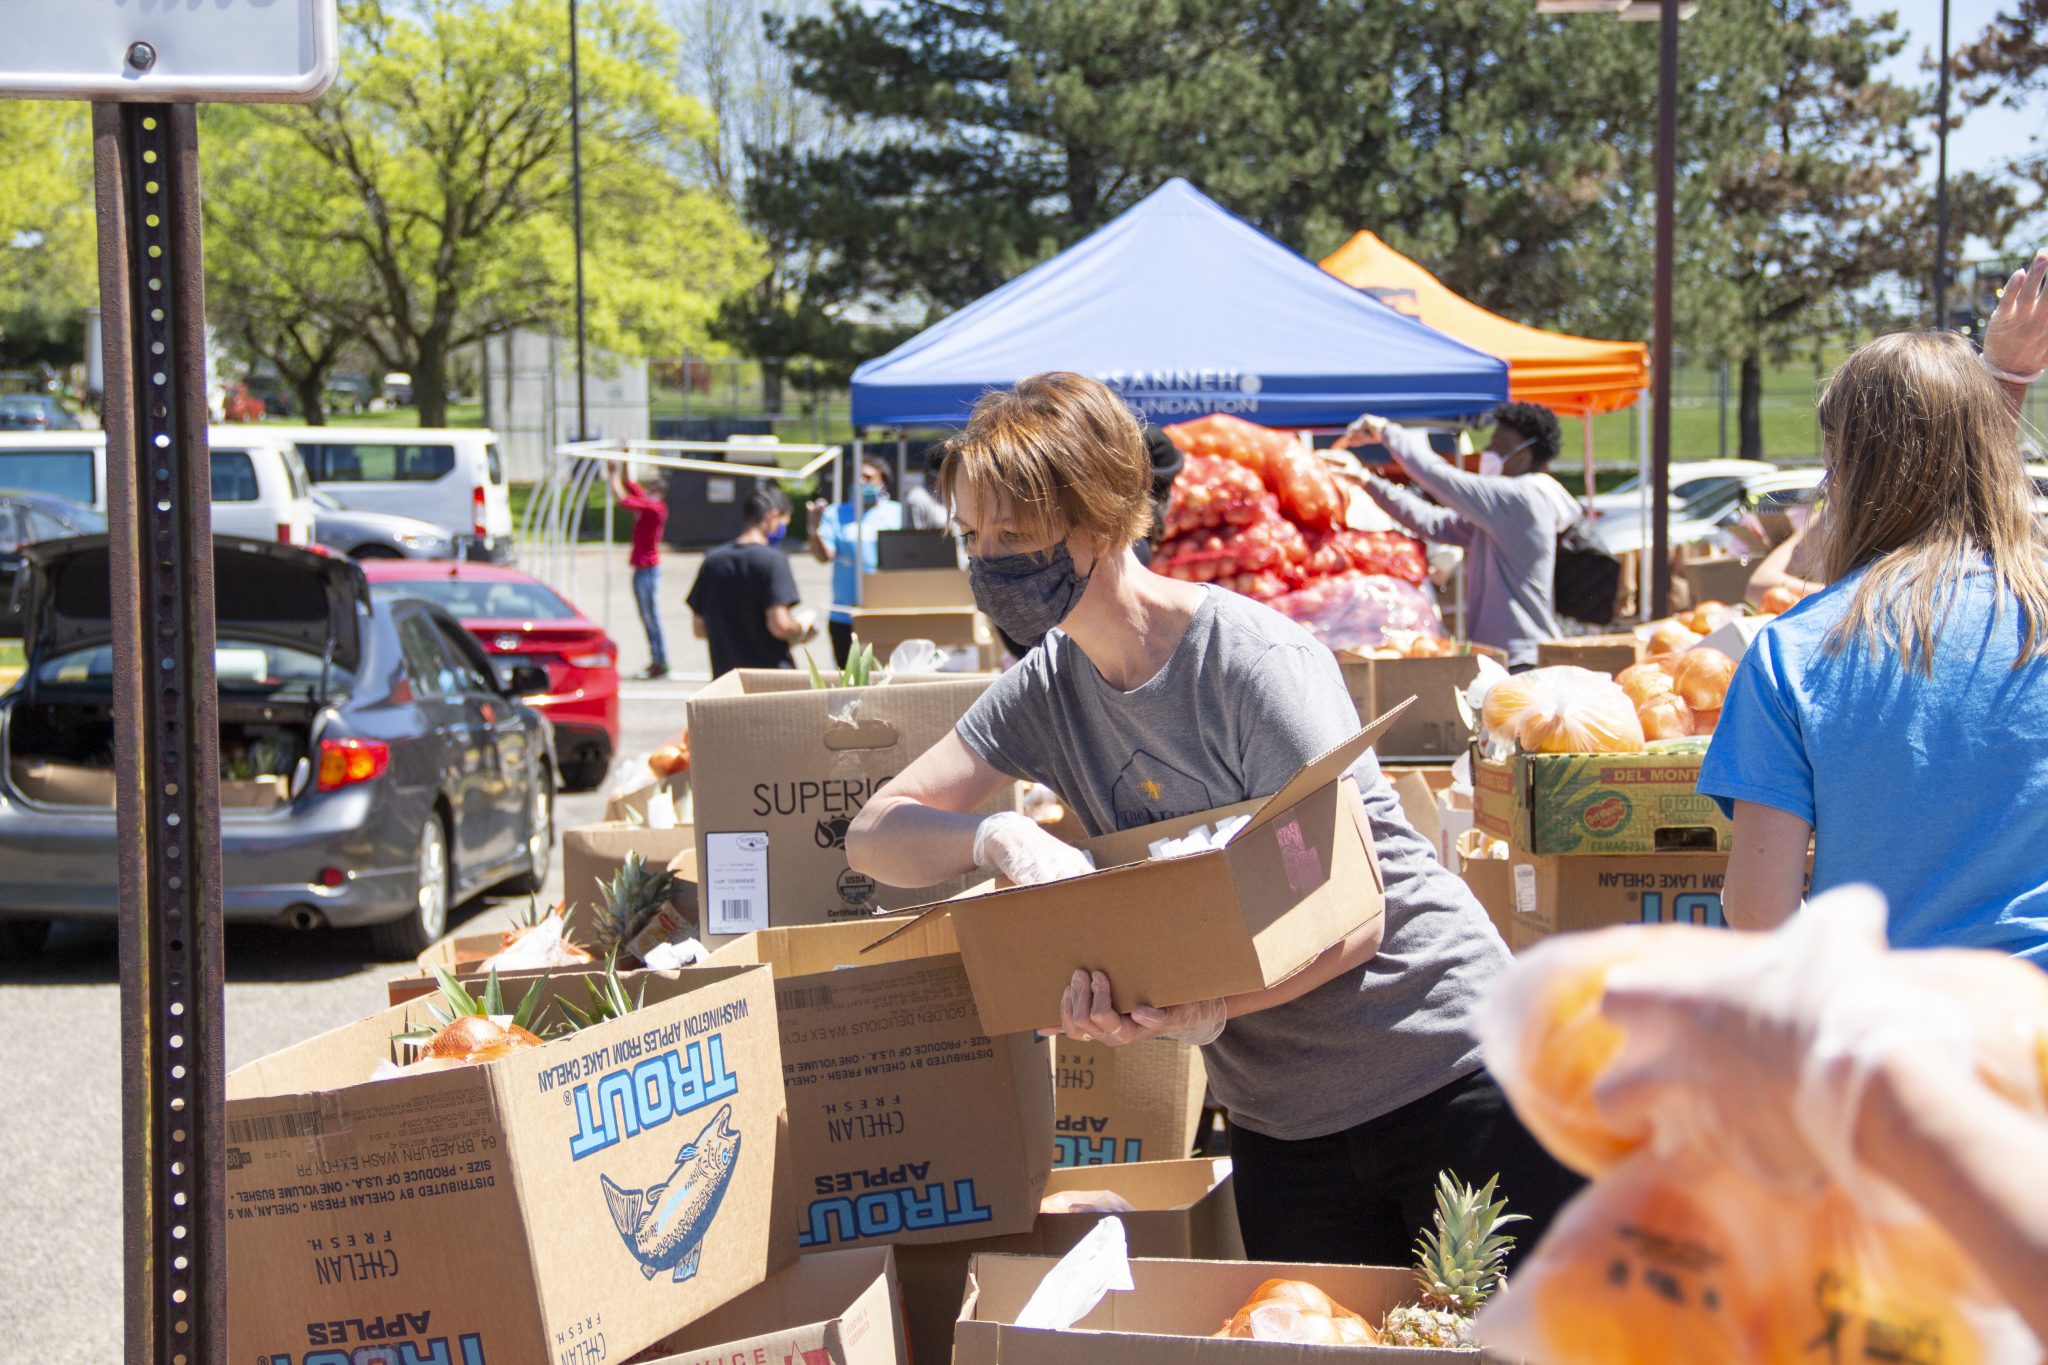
(48,269)
(438,168)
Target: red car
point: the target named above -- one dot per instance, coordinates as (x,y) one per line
(520,620)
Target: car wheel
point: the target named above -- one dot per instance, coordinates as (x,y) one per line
(422,926)
(540,837)
(585,774)
(22,939)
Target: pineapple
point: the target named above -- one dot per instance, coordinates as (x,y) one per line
(1457,1264)
(466,1030)
(636,895)
(608,1000)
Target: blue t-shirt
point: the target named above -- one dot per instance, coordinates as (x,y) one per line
(1934,790)
(839,533)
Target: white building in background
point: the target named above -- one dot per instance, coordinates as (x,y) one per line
(532,414)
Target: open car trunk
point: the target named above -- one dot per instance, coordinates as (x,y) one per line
(61,753)
(289,633)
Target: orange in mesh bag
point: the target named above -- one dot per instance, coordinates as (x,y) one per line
(1563,711)
(1674,1253)
(1682,1261)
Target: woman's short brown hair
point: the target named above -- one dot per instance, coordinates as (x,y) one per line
(1060,454)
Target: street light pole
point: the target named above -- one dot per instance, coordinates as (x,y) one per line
(1941,185)
(576,193)
(1660,340)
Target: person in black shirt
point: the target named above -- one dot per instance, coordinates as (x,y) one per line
(744,602)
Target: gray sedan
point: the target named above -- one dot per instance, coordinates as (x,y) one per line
(374,769)
(376,535)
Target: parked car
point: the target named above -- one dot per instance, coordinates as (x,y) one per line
(260,489)
(376,535)
(1689,480)
(398,389)
(520,620)
(26,518)
(36,412)
(347,392)
(375,768)
(452,477)
(1703,517)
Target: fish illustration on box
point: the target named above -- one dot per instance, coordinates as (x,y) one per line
(664,1225)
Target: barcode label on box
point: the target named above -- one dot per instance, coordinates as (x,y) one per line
(736,882)
(804,998)
(1525,889)
(275,1127)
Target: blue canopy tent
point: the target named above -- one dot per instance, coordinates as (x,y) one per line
(1185,309)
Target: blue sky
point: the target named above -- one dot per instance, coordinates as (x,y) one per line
(1987,136)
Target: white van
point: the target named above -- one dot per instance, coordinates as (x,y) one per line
(450,476)
(259,487)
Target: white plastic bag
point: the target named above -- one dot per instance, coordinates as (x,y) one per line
(1099,1264)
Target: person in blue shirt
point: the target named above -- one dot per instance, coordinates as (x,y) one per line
(1899,717)
(834,533)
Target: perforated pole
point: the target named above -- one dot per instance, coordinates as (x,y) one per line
(166,732)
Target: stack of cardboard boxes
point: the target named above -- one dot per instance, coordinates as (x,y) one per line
(832,1117)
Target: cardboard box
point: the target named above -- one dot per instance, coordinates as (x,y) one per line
(1433,727)
(780,771)
(963,637)
(631,807)
(508,1211)
(1296,879)
(1185,1210)
(831,1308)
(1714,578)
(1454,817)
(1125,1104)
(592,855)
(916,589)
(1491,881)
(74,784)
(1172,1303)
(1549,805)
(1569,895)
(1422,791)
(1601,653)
(908,1123)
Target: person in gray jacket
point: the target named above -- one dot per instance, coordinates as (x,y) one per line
(1506,519)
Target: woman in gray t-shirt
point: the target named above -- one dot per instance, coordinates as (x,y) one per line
(1349,1085)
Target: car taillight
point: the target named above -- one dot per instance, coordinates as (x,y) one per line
(602,655)
(284,533)
(476,512)
(344,762)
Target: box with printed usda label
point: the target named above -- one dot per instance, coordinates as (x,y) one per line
(781,769)
(1298,876)
(572,1202)
(908,1121)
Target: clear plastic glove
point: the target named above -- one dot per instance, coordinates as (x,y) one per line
(1088,1015)
(1015,846)
(1764,1056)
(2016,341)
(1365,430)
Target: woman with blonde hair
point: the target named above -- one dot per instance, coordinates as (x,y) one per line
(1899,717)
(1354,1082)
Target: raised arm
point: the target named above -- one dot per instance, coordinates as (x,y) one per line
(1474,496)
(2016,341)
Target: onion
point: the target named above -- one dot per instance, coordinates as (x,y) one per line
(1702,677)
(1665,717)
(1669,637)
(1506,703)
(1644,681)
(1703,722)
(1779,599)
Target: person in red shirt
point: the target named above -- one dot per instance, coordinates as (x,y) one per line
(650,514)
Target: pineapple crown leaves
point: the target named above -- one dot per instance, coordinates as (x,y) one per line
(1458,1261)
(859,670)
(630,902)
(454,1002)
(608,999)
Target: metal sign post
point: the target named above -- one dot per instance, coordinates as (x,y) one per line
(143,69)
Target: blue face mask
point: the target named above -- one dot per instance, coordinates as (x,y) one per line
(1027,595)
(870,494)
(775,536)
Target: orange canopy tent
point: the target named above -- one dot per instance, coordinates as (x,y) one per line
(1570,375)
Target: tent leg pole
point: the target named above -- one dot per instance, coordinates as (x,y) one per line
(1643,491)
(1592,486)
